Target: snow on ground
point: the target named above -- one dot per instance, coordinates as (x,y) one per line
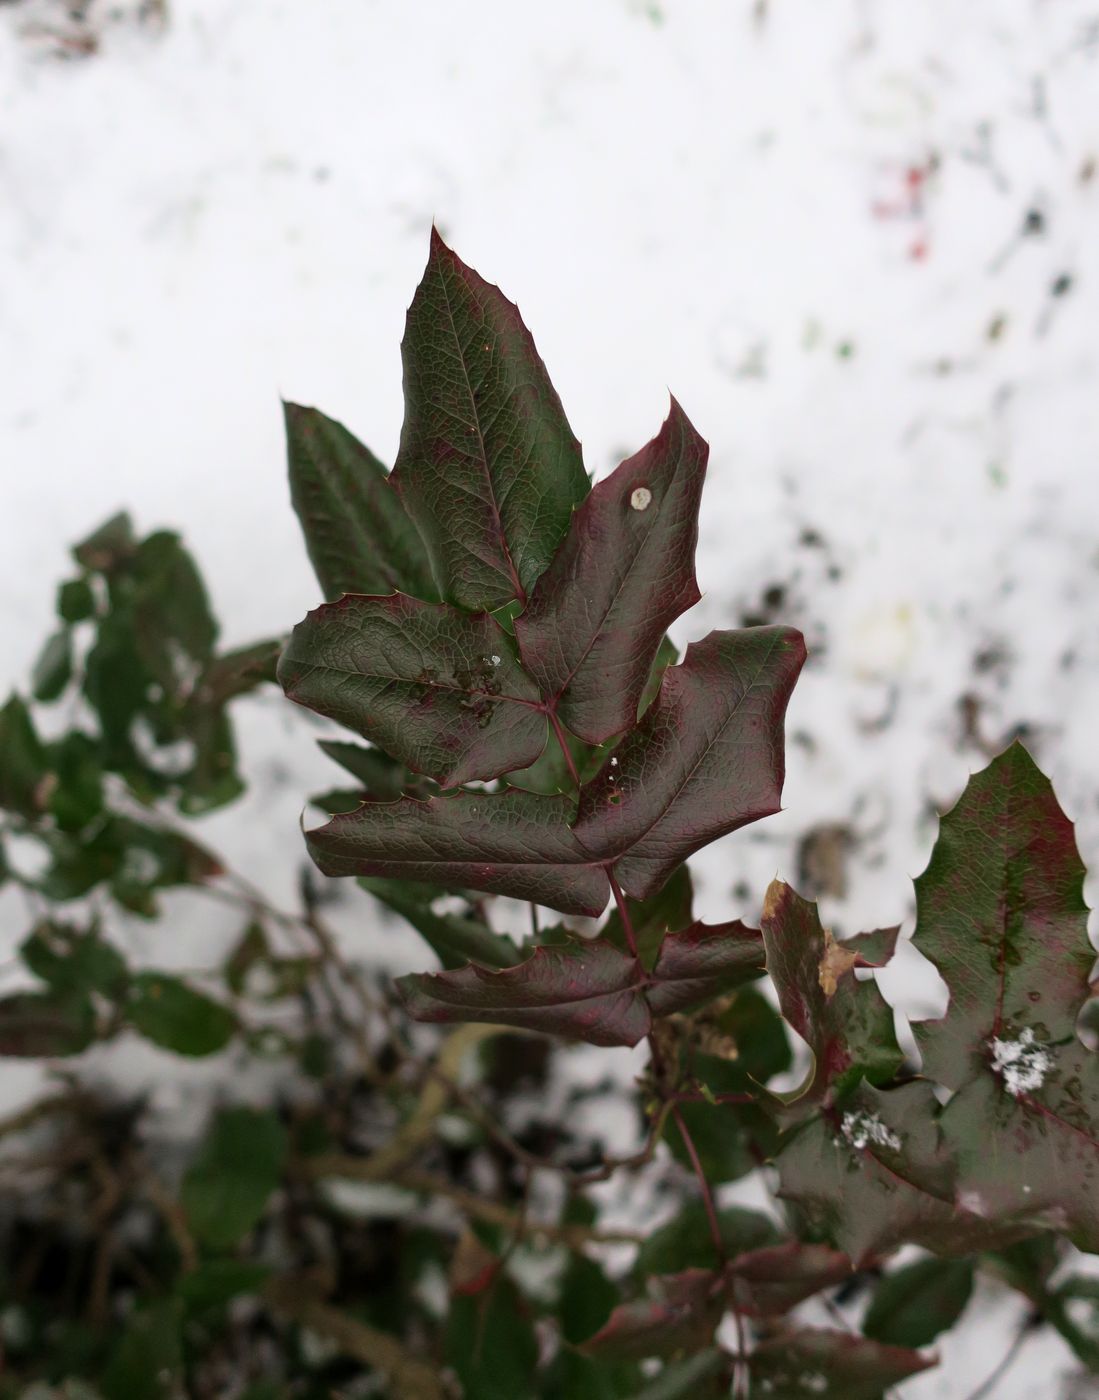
(859,241)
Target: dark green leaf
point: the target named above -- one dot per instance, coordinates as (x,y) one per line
(176,1017)
(147,1361)
(73,960)
(218,1281)
(108,546)
(226,1189)
(75,600)
(685,1241)
(624,572)
(488,466)
(24,785)
(587,1299)
(357,531)
(1001,914)
(454,938)
(912,1305)
(53,668)
(440,690)
(77,797)
(847,1024)
(41,1025)
(806,1364)
(490,1343)
(706,759)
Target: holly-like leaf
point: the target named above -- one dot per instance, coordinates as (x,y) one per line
(847,1024)
(624,571)
(1000,912)
(440,690)
(706,758)
(1025,1137)
(913,1304)
(832,1365)
(357,531)
(456,939)
(587,990)
(874,1173)
(488,466)
(680,1314)
(770,1281)
(511,842)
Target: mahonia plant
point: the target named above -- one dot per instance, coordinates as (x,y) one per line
(495,628)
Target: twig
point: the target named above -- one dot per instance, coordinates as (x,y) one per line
(987,1387)
(412,1379)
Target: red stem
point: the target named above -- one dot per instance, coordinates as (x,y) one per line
(624,915)
(559,732)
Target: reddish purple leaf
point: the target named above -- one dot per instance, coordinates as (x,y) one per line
(681,1315)
(587,990)
(847,1024)
(703,961)
(830,1366)
(488,466)
(624,572)
(513,842)
(769,1282)
(441,690)
(706,758)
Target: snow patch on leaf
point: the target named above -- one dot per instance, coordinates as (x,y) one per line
(864,1129)
(1022,1063)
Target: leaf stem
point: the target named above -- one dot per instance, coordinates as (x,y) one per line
(624,915)
(707,1192)
(559,733)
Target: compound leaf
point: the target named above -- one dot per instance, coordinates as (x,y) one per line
(357,531)
(440,690)
(624,571)
(488,466)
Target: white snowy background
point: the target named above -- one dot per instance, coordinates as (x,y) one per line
(858,241)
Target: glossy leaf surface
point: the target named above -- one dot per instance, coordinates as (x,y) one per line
(436,688)
(705,759)
(623,573)
(488,466)
(1000,912)
(358,534)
